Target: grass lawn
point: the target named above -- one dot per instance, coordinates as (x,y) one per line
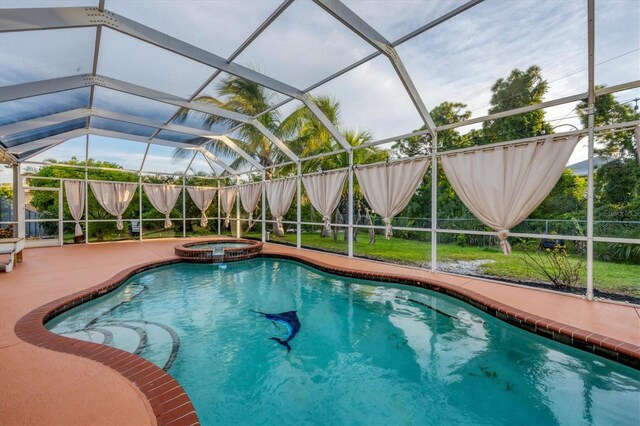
(610,277)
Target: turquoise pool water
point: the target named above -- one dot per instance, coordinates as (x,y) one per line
(365,353)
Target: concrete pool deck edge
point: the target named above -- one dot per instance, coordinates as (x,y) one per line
(167,398)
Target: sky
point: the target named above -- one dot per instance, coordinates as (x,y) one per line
(457,61)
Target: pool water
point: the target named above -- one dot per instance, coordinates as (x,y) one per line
(365,353)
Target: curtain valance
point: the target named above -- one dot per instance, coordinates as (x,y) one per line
(74,191)
(249,196)
(227,198)
(114,197)
(324,192)
(503,185)
(202,198)
(280,195)
(163,198)
(388,187)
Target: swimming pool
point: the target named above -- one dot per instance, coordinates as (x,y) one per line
(364,354)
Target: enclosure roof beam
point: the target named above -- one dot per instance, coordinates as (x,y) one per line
(210,156)
(155,141)
(359,26)
(308,101)
(231,144)
(40,122)
(548,104)
(77,17)
(275,140)
(542,105)
(136,138)
(4,155)
(44,142)
(44,87)
(67,83)
(59,118)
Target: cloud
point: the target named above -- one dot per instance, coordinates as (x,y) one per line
(42,55)
(458,60)
(219,26)
(304,45)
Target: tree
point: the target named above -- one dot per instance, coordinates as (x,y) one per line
(6,191)
(301,130)
(245,97)
(568,197)
(617,206)
(445,113)
(617,184)
(521,88)
(305,135)
(609,111)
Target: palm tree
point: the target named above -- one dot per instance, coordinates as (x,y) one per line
(305,134)
(244,97)
(301,131)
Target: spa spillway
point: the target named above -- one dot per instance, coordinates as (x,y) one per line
(218,251)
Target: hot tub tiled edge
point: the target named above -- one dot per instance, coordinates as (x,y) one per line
(230,254)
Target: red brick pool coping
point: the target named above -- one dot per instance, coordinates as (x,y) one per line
(171,404)
(616,350)
(168,400)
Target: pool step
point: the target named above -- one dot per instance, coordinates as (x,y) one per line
(153,341)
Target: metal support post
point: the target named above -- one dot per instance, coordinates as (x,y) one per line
(86,206)
(86,191)
(18,200)
(238,225)
(184,207)
(591,110)
(350,207)
(434,202)
(60,214)
(299,208)
(140,227)
(264,206)
(218,206)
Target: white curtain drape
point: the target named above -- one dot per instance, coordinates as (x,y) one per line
(503,185)
(227,198)
(280,195)
(202,198)
(249,196)
(388,187)
(74,191)
(163,198)
(114,197)
(324,192)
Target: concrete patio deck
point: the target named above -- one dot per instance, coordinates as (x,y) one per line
(41,386)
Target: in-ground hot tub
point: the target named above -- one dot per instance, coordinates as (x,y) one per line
(218,251)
